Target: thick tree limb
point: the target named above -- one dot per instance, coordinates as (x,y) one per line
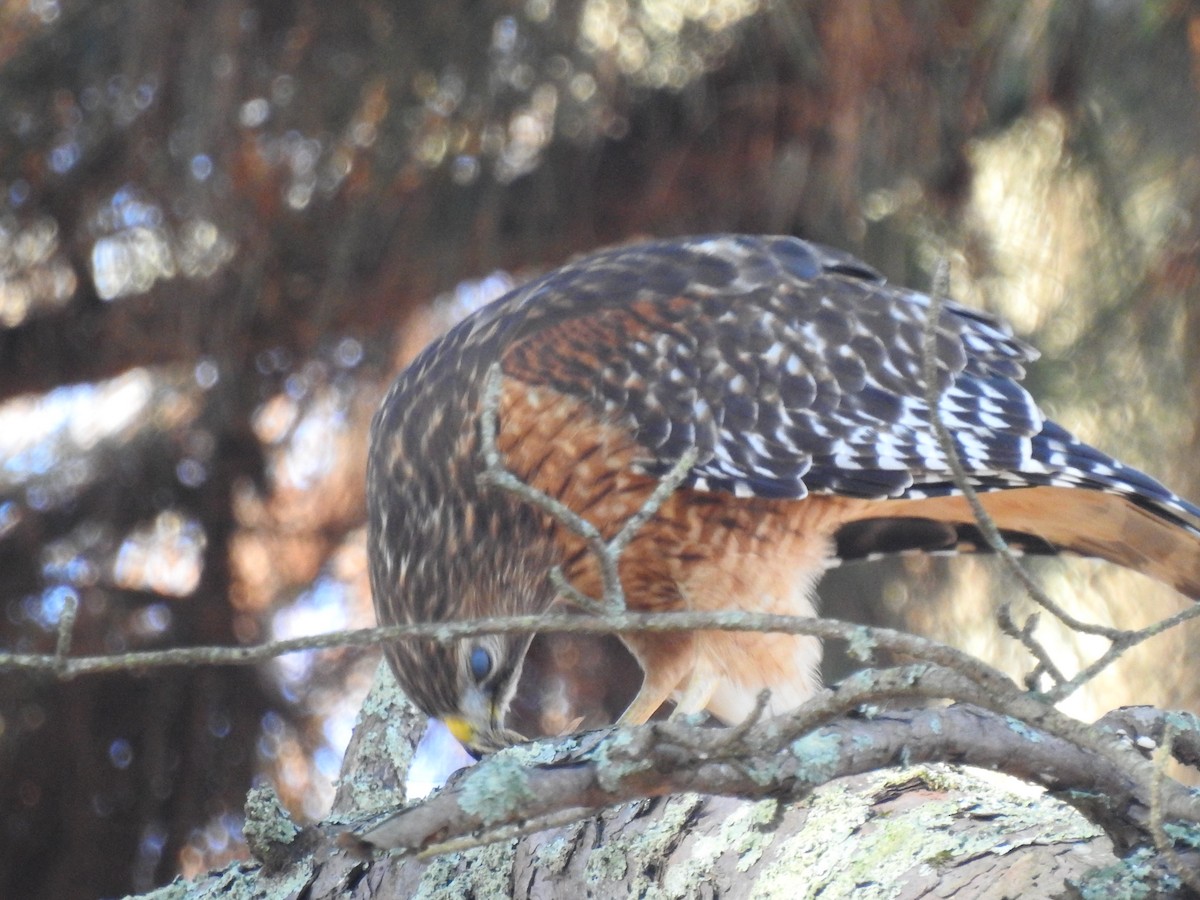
(789,756)
(790,833)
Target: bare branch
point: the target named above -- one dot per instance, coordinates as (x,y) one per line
(498,475)
(1158,825)
(1025,634)
(987,527)
(865,639)
(1122,641)
(861,636)
(786,757)
(607,553)
(66,629)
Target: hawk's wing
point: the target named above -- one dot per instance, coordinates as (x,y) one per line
(793,368)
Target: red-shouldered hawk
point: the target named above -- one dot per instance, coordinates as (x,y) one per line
(796,374)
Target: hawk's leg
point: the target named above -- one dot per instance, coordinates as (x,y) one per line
(672,658)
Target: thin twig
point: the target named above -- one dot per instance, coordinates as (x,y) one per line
(66,629)
(1122,642)
(962,481)
(497,474)
(1025,634)
(667,485)
(607,553)
(1163,842)
(990,682)
(609,623)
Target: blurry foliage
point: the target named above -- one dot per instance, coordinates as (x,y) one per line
(221,225)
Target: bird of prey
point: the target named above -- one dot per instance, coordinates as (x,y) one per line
(794,373)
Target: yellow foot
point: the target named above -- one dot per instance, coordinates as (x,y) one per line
(643,706)
(697,693)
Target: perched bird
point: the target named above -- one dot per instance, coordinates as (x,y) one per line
(796,374)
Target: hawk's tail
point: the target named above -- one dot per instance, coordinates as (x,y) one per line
(1136,532)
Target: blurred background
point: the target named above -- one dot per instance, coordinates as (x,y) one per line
(224,226)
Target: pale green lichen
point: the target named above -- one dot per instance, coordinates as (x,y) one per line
(610,863)
(861,645)
(268,825)
(176,890)
(554,855)
(479,872)
(764,772)
(938,778)
(754,832)
(241,881)
(615,762)
(392,727)
(819,754)
(288,883)
(499,789)
(847,848)
(655,842)
(1185,833)
(496,790)
(810,857)
(1183,721)
(1134,877)
(1020,728)
(746,833)
(606,864)
(536,753)
(862,741)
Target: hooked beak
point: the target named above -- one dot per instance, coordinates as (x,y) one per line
(479,742)
(463,731)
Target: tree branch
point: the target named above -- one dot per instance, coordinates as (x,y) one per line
(784,757)
(607,553)
(962,481)
(1120,640)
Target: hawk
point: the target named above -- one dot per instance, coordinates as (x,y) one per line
(795,373)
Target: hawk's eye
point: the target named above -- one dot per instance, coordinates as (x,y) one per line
(481,663)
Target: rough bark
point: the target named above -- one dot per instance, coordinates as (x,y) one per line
(907,832)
